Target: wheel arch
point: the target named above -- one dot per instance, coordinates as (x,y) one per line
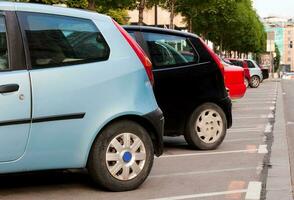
(144,122)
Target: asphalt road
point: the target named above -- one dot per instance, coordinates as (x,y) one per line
(288,94)
(234,171)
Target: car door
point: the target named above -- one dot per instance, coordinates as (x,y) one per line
(15,96)
(66,55)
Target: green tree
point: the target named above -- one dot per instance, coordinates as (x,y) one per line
(277,59)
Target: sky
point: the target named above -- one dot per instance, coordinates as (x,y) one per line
(281,8)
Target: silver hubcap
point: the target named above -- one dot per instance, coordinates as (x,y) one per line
(255,81)
(125,156)
(209,126)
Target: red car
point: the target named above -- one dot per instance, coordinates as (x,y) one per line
(234,80)
(244,65)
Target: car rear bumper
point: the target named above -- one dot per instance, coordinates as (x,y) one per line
(157,120)
(226,105)
(237,91)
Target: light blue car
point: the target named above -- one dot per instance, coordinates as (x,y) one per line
(75,92)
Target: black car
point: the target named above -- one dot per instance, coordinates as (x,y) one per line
(189,85)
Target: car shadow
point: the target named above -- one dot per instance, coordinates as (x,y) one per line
(43,179)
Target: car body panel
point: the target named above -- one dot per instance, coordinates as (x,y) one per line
(72,104)
(243,64)
(14,138)
(254,69)
(234,80)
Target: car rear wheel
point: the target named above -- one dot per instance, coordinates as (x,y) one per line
(121,157)
(206,127)
(254,82)
(246,82)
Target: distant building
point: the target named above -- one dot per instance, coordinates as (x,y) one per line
(284,37)
(162,20)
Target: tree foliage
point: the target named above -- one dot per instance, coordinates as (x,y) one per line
(277,58)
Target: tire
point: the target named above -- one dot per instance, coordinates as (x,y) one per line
(206,133)
(133,159)
(246,82)
(254,82)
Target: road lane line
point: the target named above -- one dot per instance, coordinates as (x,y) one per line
(207,153)
(253,191)
(251,117)
(203,172)
(262,149)
(244,130)
(211,194)
(241,140)
(268,128)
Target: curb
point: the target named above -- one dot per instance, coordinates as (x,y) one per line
(278,186)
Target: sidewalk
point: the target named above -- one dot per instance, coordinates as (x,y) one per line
(278,186)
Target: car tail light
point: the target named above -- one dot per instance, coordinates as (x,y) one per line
(138,50)
(214,57)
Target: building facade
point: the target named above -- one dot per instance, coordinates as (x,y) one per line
(284,37)
(162,19)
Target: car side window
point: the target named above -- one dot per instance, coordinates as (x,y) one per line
(55,40)
(4,64)
(250,64)
(169,50)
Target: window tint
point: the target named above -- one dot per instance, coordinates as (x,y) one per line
(169,50)
(3,45)
(58,40)
(237,63)
(250,64)
(132,34)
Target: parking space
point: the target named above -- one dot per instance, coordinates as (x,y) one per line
(233,171)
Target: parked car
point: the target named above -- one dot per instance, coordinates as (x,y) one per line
(243,64)
(189,85)
(234,80)
(255,73)
(71,98)
(265,72)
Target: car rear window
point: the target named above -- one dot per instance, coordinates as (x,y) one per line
(170,50)
(237,63)
(55,40)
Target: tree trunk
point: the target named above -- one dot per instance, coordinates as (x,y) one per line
(190,24)
(141,12)
(155,15)
(172,14)
(91,5)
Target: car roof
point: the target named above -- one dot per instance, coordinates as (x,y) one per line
(49,9)
(159,30)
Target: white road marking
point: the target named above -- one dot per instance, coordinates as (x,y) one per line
(241,140)
(268,128)
(262,149)
(203,172)
(251,117)
(207,153)
(245,103)
(253,191)
(211,194)
(290,123)
(272,108)
(271,116)
(240,130)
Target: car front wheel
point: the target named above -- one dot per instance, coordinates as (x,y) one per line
(255,81)
(206,127)
(121,157)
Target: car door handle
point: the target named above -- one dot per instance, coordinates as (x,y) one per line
(8,88)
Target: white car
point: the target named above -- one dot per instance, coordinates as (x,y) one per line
(255,73)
